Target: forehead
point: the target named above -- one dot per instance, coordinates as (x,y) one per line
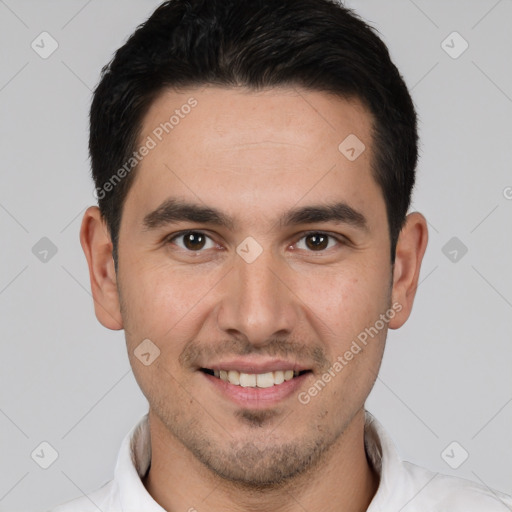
(224,146)
(244,116)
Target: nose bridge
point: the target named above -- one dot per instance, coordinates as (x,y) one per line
(257,303)
(257,280)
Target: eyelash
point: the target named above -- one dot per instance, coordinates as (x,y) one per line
(170,239)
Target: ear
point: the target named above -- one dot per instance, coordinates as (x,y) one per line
(97,246)
(410,249)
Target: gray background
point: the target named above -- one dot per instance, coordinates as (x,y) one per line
(66,380)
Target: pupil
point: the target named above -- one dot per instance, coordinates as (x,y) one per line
(194,241)
(319,241)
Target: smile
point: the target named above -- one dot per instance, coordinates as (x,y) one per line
(254,380)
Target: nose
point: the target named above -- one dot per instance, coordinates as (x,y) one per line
(258,302)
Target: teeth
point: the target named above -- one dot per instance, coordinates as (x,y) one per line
(265,380)
(278,377)
(234,377)
(252,380)
(248,380)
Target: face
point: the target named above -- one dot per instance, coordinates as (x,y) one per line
(251,244)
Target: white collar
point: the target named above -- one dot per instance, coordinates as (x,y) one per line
(402,486)
(135,457)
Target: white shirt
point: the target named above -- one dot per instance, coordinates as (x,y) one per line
(403,487)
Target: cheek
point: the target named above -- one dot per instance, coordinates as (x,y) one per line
(349,300)
(160,301)
(161,304)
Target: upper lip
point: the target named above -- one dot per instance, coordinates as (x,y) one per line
(256,366)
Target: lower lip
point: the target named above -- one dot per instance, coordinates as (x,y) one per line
(257,398)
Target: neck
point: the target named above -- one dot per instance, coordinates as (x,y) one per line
(343,480)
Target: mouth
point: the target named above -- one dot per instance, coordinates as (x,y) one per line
(255,380)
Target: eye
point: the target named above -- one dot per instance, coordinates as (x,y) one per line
(317,241)
(192,241)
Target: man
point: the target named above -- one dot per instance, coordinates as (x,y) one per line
(254,162)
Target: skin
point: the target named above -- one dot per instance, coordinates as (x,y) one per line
(254,155)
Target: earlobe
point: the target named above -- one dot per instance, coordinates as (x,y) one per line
(97,246)
(410,249)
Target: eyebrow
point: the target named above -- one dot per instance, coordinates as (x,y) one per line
(175,210)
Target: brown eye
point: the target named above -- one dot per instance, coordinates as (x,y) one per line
(192,241)
(317,241)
